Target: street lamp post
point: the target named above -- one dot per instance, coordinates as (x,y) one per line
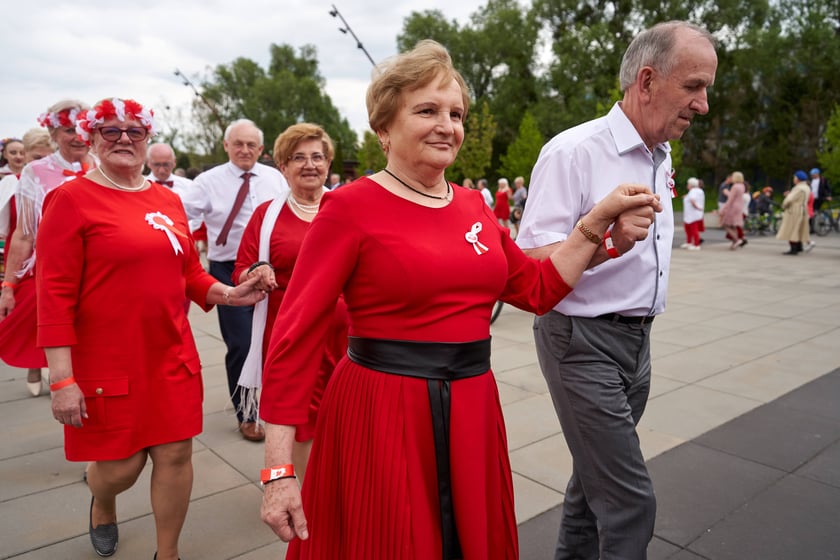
(346,29)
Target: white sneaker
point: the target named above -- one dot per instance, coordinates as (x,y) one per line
(693,247)
(810,246)
(685,246)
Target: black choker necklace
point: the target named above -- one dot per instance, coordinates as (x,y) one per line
(409,187)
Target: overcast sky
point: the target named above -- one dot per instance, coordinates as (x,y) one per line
(91,49)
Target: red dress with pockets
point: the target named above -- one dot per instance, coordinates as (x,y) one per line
(111,280)
(407,272)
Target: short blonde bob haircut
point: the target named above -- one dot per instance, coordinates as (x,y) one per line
(287,142)
(409,71)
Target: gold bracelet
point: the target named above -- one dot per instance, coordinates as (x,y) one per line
(226,294)
(584,229)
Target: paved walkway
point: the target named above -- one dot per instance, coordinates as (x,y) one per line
(741,431)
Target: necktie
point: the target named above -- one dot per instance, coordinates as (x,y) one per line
(237,206)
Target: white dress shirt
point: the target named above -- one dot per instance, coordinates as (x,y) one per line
(211,196)
(180,185)
(575,170)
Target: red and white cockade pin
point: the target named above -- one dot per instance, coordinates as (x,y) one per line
(162,222)
(672,184)
(472,237)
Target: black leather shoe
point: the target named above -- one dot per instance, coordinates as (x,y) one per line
(104,537)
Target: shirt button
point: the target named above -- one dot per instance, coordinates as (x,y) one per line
(99,390)
(658,237)
(661,273)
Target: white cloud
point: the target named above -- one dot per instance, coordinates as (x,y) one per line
(90,49)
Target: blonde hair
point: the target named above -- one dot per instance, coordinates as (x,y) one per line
(409,71)
(289,139)
(737,177)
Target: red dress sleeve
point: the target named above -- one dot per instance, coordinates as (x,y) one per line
(327,258)
(60,249)
(249,246)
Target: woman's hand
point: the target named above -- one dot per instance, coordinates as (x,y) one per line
(247,293)
(626,196)
(68,406)
(267,281)
(7,302)
(282,510)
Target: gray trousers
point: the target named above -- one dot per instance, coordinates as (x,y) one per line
(598,373)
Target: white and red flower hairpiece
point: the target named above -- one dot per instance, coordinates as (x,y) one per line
(120,109)
(65,118)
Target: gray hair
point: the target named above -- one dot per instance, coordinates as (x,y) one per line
(237,122)
(693,182)
(654,47)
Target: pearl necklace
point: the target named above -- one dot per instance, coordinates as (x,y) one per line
(122,187)
(446,197)
(306,208)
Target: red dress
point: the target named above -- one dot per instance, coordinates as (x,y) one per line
(502,208)
(111,286)
(407,272)
(284,247)
(17,330)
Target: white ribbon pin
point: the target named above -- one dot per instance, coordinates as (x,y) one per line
(163,223)
(472,237)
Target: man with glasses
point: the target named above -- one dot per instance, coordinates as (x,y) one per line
(225,197)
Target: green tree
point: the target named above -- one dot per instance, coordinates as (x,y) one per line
(477,150)
(829,154)
(289,91)
(370,155)
(522,153)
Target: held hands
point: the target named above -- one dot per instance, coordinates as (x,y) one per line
(624,197)
(248,292)
(267,282)
(282,510)
(632,208)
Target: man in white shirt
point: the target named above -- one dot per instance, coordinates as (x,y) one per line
(225,197)
(485,192)
(160,159)
(594,347)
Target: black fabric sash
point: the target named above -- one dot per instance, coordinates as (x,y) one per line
(439,363)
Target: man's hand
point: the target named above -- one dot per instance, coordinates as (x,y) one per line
(631,226)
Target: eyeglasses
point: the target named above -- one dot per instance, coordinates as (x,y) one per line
(113,134)
(161,163)
(316,158)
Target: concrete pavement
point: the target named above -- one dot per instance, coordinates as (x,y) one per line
(743,331)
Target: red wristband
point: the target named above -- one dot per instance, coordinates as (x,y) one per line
(277,473)
(11,285)
(610,246)
(61,384)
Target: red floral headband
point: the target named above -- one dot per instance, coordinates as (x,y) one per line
(65,118)
(120,109)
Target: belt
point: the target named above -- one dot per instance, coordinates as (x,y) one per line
(625,320)
(439,363)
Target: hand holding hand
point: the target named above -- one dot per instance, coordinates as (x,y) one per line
(248,292)
(631,226)
(625,197)
(267,281)
(282,510)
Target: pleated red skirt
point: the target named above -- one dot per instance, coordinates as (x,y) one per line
(371,485)
(19,329)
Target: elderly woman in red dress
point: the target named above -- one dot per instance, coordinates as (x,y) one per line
(17,299)
(115,261)
(409,458)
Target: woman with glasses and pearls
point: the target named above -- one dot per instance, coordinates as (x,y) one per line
(269,249)
(115,260)
(17,299)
